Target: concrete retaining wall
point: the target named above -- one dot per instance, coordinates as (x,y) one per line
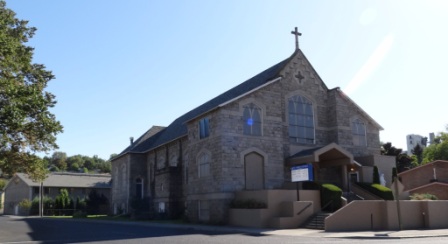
(382,215)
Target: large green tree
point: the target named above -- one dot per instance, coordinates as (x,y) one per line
(418,152)
(59,159)
(26,124)
(437,150)
(403,161)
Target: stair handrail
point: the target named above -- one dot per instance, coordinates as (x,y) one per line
(307,206)
(328,204)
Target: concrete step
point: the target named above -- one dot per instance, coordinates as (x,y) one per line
(317,221)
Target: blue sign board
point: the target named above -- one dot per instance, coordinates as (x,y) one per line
(302,172)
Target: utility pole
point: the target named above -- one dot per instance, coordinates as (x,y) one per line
(41,199)
(398,202)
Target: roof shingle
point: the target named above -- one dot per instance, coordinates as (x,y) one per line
(71,180)
(178,127)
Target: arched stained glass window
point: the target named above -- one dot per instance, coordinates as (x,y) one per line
(252,120)
(204,164)
(359,133)
(139,188)
(301,120)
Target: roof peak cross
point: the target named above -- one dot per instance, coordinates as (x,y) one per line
(297,34)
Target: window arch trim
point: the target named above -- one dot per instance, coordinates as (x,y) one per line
(203,160)
(252,119)
(358,128)
(139,187)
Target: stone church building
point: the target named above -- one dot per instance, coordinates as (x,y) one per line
(248,138)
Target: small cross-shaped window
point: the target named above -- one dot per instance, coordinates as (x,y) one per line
(299,76)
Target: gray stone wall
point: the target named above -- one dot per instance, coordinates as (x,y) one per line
(120,184)
(167,184)
(346,112)
(138,169)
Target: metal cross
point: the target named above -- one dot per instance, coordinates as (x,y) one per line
(297,34)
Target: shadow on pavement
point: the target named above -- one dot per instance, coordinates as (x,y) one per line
(47,230)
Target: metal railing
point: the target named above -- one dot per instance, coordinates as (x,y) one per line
(307,206)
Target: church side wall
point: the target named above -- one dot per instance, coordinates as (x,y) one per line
(205,190)
(166,171)
(271,145)
(138,170)
(346,112)
(120,185)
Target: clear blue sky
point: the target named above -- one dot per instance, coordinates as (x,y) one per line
(123,66)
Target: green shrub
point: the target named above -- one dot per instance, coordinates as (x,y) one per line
(24,207)
(35,206)
(81,203)
(94,202)
(394,173)
(247,204)
(47,202)
(376,175)
(2,184)
(424,196)
(25,204)
(63,200)
(378,190)
(330,196)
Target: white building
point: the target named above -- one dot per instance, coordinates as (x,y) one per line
(412,140)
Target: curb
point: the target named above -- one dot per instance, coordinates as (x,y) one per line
(258,232)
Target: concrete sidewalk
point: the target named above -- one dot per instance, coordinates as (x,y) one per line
(314,233)
(362,234)
(310,232)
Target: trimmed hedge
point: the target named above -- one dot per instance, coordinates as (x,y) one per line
(330,196)
(377,189)
(424,196)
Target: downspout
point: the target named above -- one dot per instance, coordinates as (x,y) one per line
(128,169)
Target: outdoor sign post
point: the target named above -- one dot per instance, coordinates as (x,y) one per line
(41,199)
(301,173)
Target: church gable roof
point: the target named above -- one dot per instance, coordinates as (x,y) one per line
(148,134)
(283,69)
(178,127)
(360,110)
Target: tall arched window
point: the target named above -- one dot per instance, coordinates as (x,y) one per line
(301,120)
(139,188)
(359,133)
(252,120)
(123,176)
(204,164)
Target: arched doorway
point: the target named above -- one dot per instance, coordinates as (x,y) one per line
(254,171)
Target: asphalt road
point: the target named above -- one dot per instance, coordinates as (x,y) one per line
(36,230)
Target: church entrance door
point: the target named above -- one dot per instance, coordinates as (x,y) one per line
(254,171)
